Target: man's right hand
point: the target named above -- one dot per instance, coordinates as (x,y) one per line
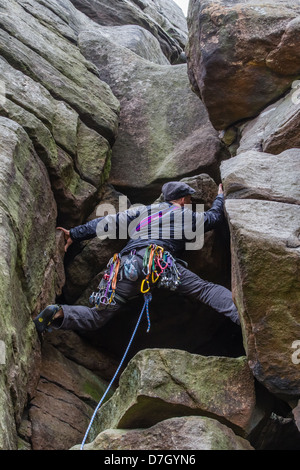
(68,239)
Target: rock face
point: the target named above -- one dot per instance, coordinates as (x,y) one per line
(259,175)
(163,19)
(253,44)
(261,181)
(58,121)
(277,128)
(159,138)
(265,235)
(242,55)
(96,98)
(159,384)
(28,214)
(70,115)
(187,433)
(62,402)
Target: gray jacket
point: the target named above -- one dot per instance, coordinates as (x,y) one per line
(172,227)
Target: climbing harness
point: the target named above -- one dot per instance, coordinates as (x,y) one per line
(159,267)
(147,298)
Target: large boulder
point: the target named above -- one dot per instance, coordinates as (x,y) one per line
(158,384)
(169,30)
(28,269)
(164,130)
(265,277)
(263,209)
(136,38)
(53,92)
(184,433)
(260,175)
(277,128)
(242,55)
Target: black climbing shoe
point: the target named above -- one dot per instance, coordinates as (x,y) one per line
(45,318)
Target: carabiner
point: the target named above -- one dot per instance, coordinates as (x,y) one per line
(165,264)
(142,286)
(104,300)
(155,273)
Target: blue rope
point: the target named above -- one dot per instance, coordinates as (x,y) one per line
(147,313)
(148,298)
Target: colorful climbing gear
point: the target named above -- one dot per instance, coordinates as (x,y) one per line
(108,284)
(159,265)
(159,268)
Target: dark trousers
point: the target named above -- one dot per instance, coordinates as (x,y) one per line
(78,317)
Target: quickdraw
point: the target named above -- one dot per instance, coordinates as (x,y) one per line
(170,276)
(107,287)
(159,265)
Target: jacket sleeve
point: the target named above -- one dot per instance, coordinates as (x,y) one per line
(86,231)
(215,215)
(108,228)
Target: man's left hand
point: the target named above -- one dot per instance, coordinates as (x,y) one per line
(68,239)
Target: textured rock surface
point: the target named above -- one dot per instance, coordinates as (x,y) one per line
(242,55)
(187,433)
(165,132)
(158,384)
(169,30)
(258,175)
(64,121)
(54,93)
(28,214)
(277,128)
(265,243)
(54,113)
(136,39)
(64,399)
(266,258)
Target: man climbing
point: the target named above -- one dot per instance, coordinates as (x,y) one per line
(157,235)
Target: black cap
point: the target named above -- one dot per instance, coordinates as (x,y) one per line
(175,190)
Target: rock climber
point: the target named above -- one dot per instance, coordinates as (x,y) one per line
(146,262)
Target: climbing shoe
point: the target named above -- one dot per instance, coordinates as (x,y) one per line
(45,318)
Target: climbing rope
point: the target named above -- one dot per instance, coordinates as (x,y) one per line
(158,265)
(147,299)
